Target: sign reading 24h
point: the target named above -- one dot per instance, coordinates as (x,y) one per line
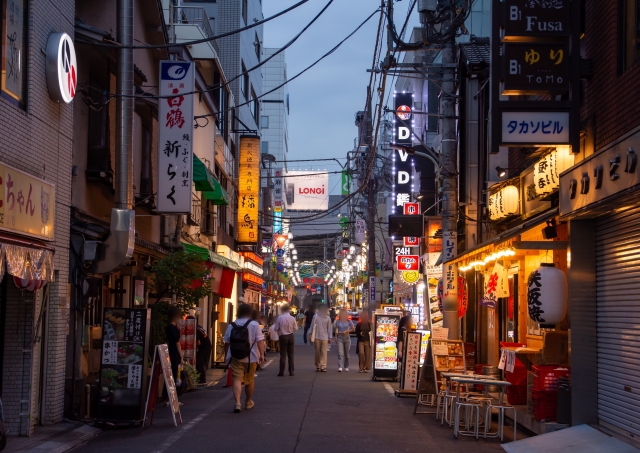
(175,132)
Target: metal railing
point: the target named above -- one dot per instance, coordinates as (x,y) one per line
(192,15)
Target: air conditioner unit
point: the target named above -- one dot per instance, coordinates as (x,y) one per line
(427,5)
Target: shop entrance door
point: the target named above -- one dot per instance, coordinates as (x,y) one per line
(618,308)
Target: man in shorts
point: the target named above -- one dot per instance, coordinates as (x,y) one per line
(243,370)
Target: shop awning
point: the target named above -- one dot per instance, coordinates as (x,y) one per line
(207,184)
(200,251)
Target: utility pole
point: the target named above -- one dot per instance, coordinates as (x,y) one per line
(449,166)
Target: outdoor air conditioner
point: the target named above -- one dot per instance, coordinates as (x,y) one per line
(427,5)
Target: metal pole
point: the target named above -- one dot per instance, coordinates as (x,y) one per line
(449,164)
(324,286)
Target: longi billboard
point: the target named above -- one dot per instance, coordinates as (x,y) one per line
(306,190)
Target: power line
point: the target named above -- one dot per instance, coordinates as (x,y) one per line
(198,41)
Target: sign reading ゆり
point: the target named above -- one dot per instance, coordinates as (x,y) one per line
(27,204)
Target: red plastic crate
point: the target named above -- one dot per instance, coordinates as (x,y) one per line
(545,377)
(545,405)
(517,394)
(519,375)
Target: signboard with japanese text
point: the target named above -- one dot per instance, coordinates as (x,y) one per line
(411,362)
(372,288)
(408,262)
(538,68)
(306,190)
(411,208)
(277,201)
(123,365)
(601,176)
(546,171)
(248,189)
(411,241)
(449,245)
(27,204)
(402,162)
(535,127)
(175,133)
(527,20)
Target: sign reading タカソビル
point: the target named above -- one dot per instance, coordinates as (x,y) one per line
(61,68)
(175,136)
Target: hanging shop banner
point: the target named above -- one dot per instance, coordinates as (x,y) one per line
(536,68)
(278,202)
(411,241)
(504,203)
(188,340)
(123,366)
(306,190)
(27,204)
(546,172)
(372,288)
(535,128)
(248,189)
(175,134)
(402,163)
(530,21)
(346,183)
(496,286)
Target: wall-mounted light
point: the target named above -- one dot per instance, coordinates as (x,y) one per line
(502,172)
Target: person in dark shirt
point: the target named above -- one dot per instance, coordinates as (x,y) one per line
(363,345)
(403,326)
(173,343)
(203,353)
(308,318)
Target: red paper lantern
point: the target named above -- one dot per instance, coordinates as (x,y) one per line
(28,285)
(463,301)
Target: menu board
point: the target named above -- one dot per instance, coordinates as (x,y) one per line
(161,369)
(448,356)
(433,274)
(188,340)
(386,338)
(424,342)
(411,361)
(123,367)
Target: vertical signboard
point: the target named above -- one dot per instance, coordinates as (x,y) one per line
(346,183)
(123,367)
(277,201)
(402,167)
(248,189)
(175,133)
(385,344)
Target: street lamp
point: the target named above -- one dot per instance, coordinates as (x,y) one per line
(502,171)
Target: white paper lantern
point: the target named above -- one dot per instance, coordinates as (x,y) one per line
(504,203)
(547,295)
(546,172)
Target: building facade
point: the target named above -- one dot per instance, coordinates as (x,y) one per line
(36,168)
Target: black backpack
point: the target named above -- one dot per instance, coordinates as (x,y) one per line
(239,341)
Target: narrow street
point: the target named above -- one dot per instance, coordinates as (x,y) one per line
(307,413)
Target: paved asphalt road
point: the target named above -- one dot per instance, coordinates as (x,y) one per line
(307,413)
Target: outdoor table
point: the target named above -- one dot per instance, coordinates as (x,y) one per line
(475,381)
(447,375)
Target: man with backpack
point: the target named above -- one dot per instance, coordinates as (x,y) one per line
(244,350)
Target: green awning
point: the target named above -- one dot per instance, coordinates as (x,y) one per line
(200,251)
(207,184)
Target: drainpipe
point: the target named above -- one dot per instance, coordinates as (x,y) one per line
(118,247)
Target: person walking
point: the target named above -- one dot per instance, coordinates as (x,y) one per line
(321,334)
(343,329)
(308,318)
(285,325)
(363,345)
(203,354)
(244,350)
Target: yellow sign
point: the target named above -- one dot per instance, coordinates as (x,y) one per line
(27,204)
(410,276)
(248,189)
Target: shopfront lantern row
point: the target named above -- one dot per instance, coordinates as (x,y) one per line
(463,301)
(547,295)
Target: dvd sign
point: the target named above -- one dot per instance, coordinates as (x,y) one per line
(408,262)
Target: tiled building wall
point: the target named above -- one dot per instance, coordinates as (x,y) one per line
(612,94)
(38,141)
